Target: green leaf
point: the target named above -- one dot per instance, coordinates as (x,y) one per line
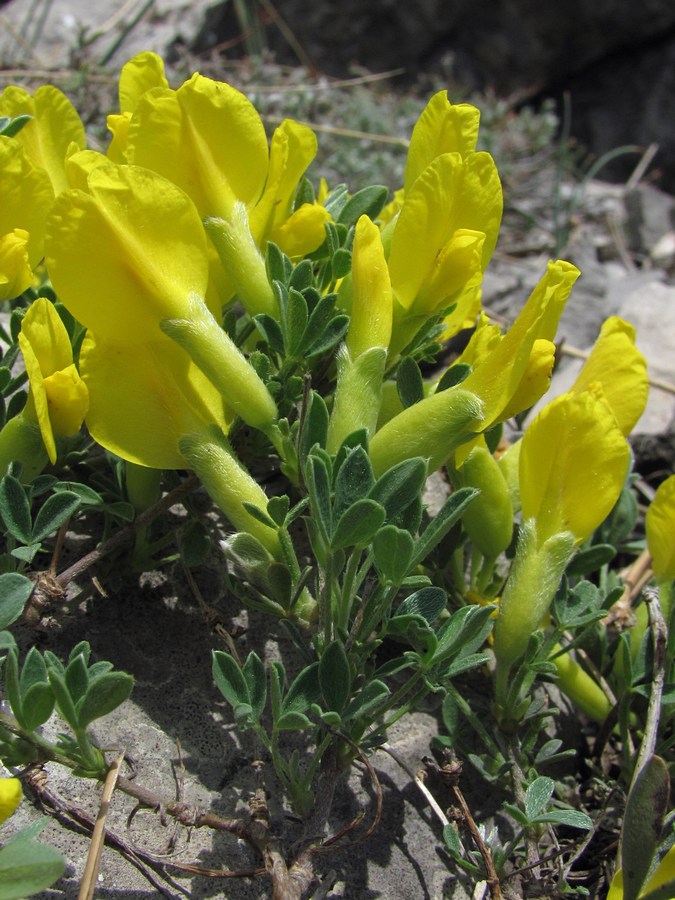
(329,337)
(453,376)
(464,663)
(88,496)
(341,263)
(409,382)
(440,525)
(258,514)
(278,265)
(354,478)
(64,702)
(229,679)
(11,127)
(314,426)
(293,721)
(302,276)
(277,680)
(429,602)
(538,796)
(15,509)
(318,486)
(277,509)
(296,319)
(280,583)
(28,867)
(38,705)
(194,543)
(573,818)
(334,676)
(104,694)
(642,824)
(369,201)
(77,677)
(271,332)
(304,690)
(358,524)
(367,700)
(588,561)
(34,670)
(12,685)
(56,510)
(464,632)
(400,486)
(15,591)
(393,550)
(256,682)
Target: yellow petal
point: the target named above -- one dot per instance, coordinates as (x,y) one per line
(302,232)
(10,797)
(535,380)
(37,405)
(456,272)
(15,270)
(80,165)
(54,125)
(292,149)
(144,397)
(449,195)
(573,465)
(43,328)
(128,254)
(68,401)
(498,375)
(140,74)
(617,364)
(207,138)
(442,128)
(660,528)
(26,194)
(371,316)
(118,126)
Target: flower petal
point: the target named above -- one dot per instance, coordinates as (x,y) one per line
(128,254)
(573,465)
(54,125)
(26,197)
(16,273)
(660,528)
(371,314)
(442,128)
(144,397)
(43,328)
(619,366)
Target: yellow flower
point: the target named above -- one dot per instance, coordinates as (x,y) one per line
(298,232)
(54,127)
(58,398)
(489,519)
(510,367)
(665,872)
(617,365)
(128,253)
(207,138)
(371,309)
(442,240)
(660,528)
(441,128)
(26,198)
(140,74)
(145,397)
(573,464)
(10,797)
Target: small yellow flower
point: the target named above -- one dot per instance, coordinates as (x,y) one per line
(660,528)
(10,797)
(16,274)
(371,310)
(58,398)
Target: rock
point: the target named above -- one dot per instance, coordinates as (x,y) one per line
(649,215)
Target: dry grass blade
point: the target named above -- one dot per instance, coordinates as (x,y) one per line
(88,883)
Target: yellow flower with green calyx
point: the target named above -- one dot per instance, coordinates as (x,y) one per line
(27,196)
(617,365)
(55,125)
(58,399)
(129,260)
(362,357)
(573,464)
(442,241)
(10,797)
(500,369)
(298,232)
